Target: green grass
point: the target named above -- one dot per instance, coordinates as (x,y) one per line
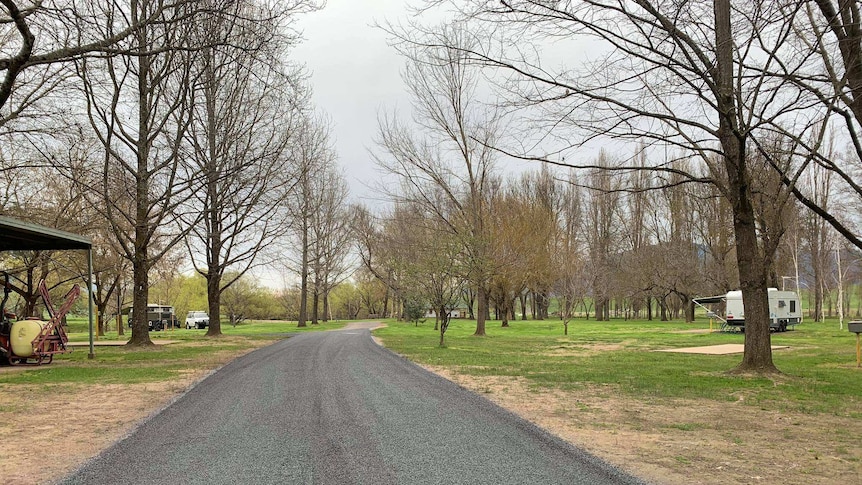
(819,369)
(119,365)
(78,330)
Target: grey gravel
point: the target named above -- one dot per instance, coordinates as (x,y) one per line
(335,408)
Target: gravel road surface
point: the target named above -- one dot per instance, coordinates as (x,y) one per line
(335,408)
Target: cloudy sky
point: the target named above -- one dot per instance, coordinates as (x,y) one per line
(355,76)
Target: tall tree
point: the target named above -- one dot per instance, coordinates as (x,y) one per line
(375,250)
(139,108)
(602,235)
(444,159)
(331,241)
(312,156)
(244,114)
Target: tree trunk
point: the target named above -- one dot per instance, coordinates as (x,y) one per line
(542,302)
(214,221)
(444,322)
(649,308)
(303,290)
(505,311)
(662,305)
(481,311)
(386,298)
(214,304)
(689,314)
(817,267)
(140,291)
(752,271)
(523,297)
(325,307)
(533,305)
(315,300)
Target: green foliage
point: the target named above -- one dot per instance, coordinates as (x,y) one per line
(345,301)
(250,300)
(414,309)
(618,356)
(184,293)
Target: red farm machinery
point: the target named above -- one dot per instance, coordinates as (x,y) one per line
(34,341)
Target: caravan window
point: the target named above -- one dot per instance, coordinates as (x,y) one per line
(792,306)
(781,304)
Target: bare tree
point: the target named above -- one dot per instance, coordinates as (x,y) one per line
(432,264)
(312,156)
(331,236)
(41,38)
(447,168)
(374,251)
(570,284)
(602,237)
(243,120)
(139,108)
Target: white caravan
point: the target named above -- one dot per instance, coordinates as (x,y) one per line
(784,309)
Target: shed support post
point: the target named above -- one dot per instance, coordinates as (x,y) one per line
(92,353)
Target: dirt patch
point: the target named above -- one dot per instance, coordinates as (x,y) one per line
(685,441)
(722,349)
(56,428)
(363,325)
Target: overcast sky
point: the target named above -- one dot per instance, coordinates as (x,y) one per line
(355,75)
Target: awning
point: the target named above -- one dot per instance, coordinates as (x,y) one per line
(709,299)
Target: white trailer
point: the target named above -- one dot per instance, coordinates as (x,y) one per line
(784,309)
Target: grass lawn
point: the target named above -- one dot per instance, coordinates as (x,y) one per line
(820,374)
(118,365)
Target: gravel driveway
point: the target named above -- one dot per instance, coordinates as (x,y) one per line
(335,408)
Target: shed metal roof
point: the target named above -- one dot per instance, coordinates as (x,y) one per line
(20,235)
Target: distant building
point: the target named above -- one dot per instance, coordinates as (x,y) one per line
(462,312)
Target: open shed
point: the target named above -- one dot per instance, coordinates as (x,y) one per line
(17,235)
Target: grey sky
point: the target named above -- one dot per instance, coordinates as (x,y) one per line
(355,75)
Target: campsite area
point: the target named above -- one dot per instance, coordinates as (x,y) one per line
(667,417)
